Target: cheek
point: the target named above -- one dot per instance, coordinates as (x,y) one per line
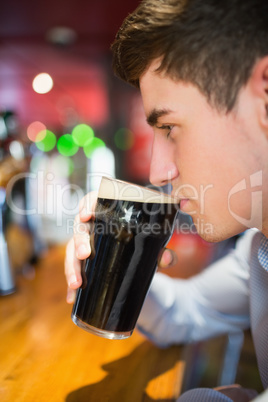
(197,162)
(210,175)
(226,198)
(220,167)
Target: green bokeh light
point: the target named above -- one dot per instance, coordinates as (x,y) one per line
(94,144)
(66,145)
(124,139)
(82,135)
(45,140)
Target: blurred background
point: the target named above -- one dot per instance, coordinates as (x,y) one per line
(65,119)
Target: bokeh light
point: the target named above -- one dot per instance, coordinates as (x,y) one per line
(102,162)
(63,166)
(96,143)
(42,83)
(34,128)
(124,139)
(35,163)
(82,135)
(66,145)
(45,140)
(16,150)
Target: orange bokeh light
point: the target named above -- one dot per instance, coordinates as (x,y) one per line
(34,129)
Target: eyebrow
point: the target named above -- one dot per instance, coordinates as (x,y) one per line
(155,114)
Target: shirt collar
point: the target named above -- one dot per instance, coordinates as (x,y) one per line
(263,252)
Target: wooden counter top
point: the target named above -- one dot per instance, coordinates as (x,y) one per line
(44,356)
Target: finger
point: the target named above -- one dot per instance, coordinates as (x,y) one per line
(87,206)
(168,258)
(72,267)
(71,293)
(81,238)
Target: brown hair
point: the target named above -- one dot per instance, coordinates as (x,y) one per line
(212,44)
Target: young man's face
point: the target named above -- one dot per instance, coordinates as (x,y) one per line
(213,160)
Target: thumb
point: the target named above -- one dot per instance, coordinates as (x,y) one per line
(167,258)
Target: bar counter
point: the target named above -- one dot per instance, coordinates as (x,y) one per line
(44,356)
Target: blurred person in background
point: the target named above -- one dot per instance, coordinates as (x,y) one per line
(202,69)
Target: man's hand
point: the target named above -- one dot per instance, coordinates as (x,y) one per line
(78,248)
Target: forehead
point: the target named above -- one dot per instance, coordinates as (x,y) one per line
(156,88)
(151,73)
(160,92)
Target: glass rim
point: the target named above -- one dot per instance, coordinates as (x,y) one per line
(117,189)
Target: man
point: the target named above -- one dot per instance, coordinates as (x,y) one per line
(202,69)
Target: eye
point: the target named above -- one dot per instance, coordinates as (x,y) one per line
(166,127)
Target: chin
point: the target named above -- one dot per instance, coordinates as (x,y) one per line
(213,238)
(214,233)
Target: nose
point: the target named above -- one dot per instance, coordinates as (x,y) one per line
(163,168)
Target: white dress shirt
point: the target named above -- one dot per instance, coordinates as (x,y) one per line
(227,297)
(212,303)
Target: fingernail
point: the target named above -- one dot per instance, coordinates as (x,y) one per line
(81,251)
(72,280)
(70,298)
(167,257)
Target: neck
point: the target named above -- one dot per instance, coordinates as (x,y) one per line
(264,229)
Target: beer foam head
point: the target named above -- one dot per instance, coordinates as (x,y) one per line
(121,190)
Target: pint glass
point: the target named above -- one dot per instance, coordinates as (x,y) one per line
(132,224)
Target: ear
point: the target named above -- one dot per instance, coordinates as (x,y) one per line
(259,86)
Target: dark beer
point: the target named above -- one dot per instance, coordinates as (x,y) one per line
(125,243)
